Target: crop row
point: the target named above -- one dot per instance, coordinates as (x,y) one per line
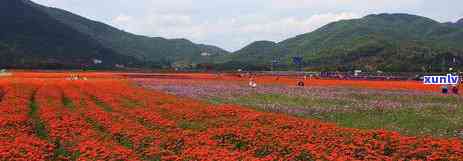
(111,119)
(17,135)
(240,133)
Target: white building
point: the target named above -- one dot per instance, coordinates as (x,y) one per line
(206,54)
(97,61)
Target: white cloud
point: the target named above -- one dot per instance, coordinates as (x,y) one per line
(234,24)
(295,24)
(343,4)
(232,33)
(121,19)
(286,27)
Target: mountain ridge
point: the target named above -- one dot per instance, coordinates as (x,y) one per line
(460,22)
(389,42)
(28,39)
(34,36)
(265,48)
(157,51)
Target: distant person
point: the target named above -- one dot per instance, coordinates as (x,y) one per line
(300,84)
(445,89)
(252,83)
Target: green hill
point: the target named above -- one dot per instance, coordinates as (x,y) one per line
(156,50)
(259,50)
(389,42)
(459,23)
(35,36)
(30,38)
(255,56)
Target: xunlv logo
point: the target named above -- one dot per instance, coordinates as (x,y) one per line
(449,79)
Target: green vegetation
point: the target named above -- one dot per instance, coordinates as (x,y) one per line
(30,38)
(427,121)
(387,42)
(101,104)
(153,51)
(232,139)
(35,36)
(412,115)
(39,127)
(123,140)
(67,102)
(60,152)
(191,125)
(130,103)
(41,131)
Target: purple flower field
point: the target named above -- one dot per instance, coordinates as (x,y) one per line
(409,112)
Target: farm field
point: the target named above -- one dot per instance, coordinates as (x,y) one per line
(126,116)
(410,112)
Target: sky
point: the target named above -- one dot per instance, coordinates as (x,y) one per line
(233,24)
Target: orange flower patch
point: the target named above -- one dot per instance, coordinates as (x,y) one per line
(112,119)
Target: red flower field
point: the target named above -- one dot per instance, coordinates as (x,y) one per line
(46,117)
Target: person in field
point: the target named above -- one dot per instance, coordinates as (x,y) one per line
(445,89)
(300,84)
(252,82)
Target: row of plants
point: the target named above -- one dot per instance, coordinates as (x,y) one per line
(114,119)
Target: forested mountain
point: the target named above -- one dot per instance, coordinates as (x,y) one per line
(259,50)
(459,23)
(30,38)
(32,33)
(35,36)
(389,42)
(157,50)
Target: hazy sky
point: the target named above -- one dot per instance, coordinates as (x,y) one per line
(232,24)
